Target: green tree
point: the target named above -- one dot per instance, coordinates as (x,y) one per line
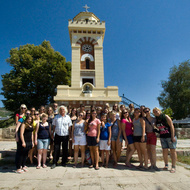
(36,72)
(168,112)
(176,91)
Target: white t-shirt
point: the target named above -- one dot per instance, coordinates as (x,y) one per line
(62,124)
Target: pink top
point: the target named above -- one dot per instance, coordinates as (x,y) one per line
(128,126)
(93,126)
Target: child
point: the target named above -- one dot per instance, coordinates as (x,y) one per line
(105,139)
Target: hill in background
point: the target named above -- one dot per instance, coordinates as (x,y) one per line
(4,112)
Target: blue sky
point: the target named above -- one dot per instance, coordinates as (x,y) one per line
(143,39)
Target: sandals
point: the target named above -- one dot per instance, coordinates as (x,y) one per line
(38,167)
(44,166)
(97,168)
(25,169)
(19,172)
(91,166)
(173,170)
(165,168)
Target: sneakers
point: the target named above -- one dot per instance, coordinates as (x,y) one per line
(53,166)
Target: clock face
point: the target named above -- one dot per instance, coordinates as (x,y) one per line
(87,48)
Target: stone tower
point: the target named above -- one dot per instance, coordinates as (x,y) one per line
(86,33)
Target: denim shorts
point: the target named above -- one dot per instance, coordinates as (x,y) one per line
(114,138)
(43,143)
(130,139)
(167,143)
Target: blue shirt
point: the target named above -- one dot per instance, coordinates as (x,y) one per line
(104,134)
(21,120)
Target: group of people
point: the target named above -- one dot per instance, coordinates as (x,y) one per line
(96,129)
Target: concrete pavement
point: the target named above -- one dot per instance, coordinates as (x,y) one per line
(90,179)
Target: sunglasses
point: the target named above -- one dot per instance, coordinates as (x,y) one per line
(80,115)
(36,114)
(146,111)
(23,108)
(32,110)
(125,112)
(27,113)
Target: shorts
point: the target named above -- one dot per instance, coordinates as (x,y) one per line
(138,139)
(167,143)
(130,139)
(91,141)
(104,145)
(151,138)
(114,138)
(80,140)
(43,143)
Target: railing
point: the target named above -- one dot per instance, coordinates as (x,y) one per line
(127,101)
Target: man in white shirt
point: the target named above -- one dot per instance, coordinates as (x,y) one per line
(61,124)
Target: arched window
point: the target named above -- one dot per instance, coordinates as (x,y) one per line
(87,64)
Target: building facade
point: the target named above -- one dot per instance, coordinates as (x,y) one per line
(86,33)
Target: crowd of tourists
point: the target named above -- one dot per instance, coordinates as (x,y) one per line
(101,130)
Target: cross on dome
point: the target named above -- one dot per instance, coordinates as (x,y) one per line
(86,7)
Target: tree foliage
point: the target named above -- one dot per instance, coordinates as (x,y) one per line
(176,91)
(168,112)
(36,72)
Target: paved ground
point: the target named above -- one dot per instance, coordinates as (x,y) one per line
(86,179)
(90,179)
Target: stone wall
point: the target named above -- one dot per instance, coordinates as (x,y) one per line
(7,133)
(183,132)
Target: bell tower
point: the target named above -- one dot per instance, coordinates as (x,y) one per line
(86,33)
(86,36)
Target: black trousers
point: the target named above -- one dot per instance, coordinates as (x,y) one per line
(21,155)
(57,143)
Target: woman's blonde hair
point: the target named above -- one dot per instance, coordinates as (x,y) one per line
(23,106)
(157,109)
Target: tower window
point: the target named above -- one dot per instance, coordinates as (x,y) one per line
(87,64)
(86,21)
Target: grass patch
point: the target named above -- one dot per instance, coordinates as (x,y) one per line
(184,159)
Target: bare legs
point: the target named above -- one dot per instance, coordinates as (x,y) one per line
(151,149)
(42,155)
(173,157)
(107,157)
(116,149)
(142,152)
(51,150)
(129,153)
(94,153)
(76,151)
